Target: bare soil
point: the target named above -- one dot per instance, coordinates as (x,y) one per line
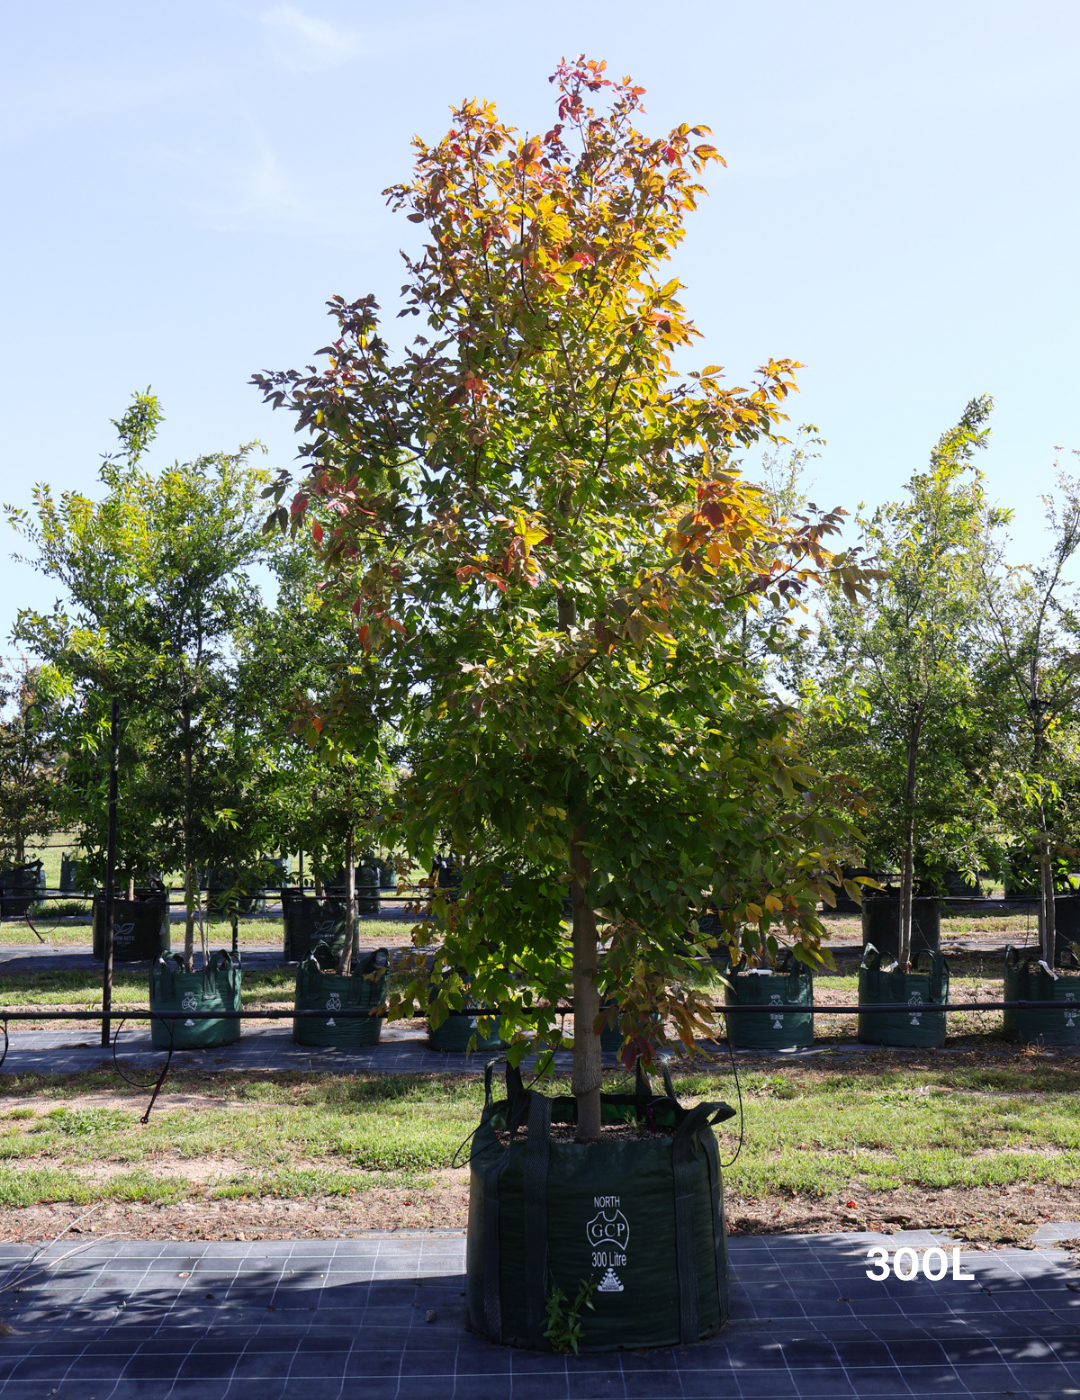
(985,1219)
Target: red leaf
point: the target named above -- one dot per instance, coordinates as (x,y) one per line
(316,531)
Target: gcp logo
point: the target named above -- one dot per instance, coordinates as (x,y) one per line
(608,1228)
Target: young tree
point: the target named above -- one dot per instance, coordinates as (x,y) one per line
(548,563)
(157,578)
(29,760)
(900,669)
(318,797)
(1031,624)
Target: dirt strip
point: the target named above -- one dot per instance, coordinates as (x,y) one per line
(985,1218)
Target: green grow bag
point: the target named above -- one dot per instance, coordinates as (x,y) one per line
(318,988)
(918,1026)
(1027,980)
(772,1030)
(215,988)
(642,1218)
(308,921)
(458,1029)
(140,929)
(881,925)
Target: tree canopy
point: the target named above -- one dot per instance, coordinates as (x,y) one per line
(547,552)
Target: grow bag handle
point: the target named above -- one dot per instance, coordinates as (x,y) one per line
(703,1115)
(1014,958)
(643,1088)
(322,957)
(380,964)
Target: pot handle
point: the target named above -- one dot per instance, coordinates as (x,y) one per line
(702,1115)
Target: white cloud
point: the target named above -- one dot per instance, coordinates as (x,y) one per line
(303,42)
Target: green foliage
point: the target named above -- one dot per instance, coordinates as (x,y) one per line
(299,654)
(1030,635)
(159,600)
(29,759)
(898,703)
(549,559)
(563,1328)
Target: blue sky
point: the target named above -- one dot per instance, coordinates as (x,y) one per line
(185,184)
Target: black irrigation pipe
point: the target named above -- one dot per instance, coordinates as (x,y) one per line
(145,1014)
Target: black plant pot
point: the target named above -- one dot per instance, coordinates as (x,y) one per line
(881,925)
(308,921)
(140,928)
(1066,926)
(20,887)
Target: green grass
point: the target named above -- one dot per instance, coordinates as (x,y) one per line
(1006,923)
(808,1131)
(82,989)
(254,930)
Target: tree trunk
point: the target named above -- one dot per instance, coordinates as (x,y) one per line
(352,933)
(907,856)
(585,1079)
(110,871)
(1047,908)
(191,883)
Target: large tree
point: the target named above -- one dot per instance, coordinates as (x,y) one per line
(548,560)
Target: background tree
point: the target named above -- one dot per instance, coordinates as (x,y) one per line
(1031,624)
(157,575)
(30,757)
(899,669)
(318,797)
(548,564)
